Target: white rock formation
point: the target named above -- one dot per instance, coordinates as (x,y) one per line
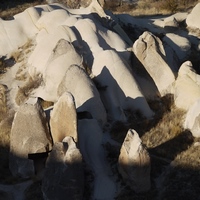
(192,119)
(63,120)
(192,20)
(29,135)
(118,88)
(181,45)
(150,52)
(86,96)
(134,163)
(186,87)
(170,22)
(90,144)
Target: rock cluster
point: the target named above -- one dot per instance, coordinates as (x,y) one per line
(94,75)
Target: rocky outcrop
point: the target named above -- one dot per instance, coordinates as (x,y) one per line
(134,163)
(64,177)
(192,20)
(180,45)
(85,93)
(63,120)
(3,100)
(90,143)
(192,119)
(150,52)
(29,135)
(57,58)
(186,87)
(83,62)
(117,86)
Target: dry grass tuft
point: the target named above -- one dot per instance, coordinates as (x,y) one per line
(24,91)
(21,56)
(155,7)
(46,104)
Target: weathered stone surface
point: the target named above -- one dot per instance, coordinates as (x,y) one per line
(186,87)
(63,120)
(150,52)
(134,163)
(59,55)
(85,93)
(64,176)
(118,88)
(181,45)
(192,20)
(29,135)
(192,120)
(90,143)
(170,23)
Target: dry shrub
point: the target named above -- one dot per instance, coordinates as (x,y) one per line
(5,129)
(167,128)
(169,5)
(24,91)
(46,104)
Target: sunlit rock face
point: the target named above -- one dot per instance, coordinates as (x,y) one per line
(63,120)
(29,135)
(86,96)
(71,48)
(134,163)
(150,52)
(192,20)
(192,119)
(186,87)
(180,45)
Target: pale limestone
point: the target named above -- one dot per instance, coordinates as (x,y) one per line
(134,163)
(192,119)
(186,87)
(150,52)
(63,120)
(29,135)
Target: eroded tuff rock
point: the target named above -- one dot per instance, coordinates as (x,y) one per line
(134,163)
(192,119)
(150,52)
(85,52)
(192,20)
(186,87)
(117,86)
(63,120)
(29,135)
(64,177)
(181,45)
(86,96)
(90,143)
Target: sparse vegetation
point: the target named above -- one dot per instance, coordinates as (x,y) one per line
(173,152)
(24,91)
(154,7)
